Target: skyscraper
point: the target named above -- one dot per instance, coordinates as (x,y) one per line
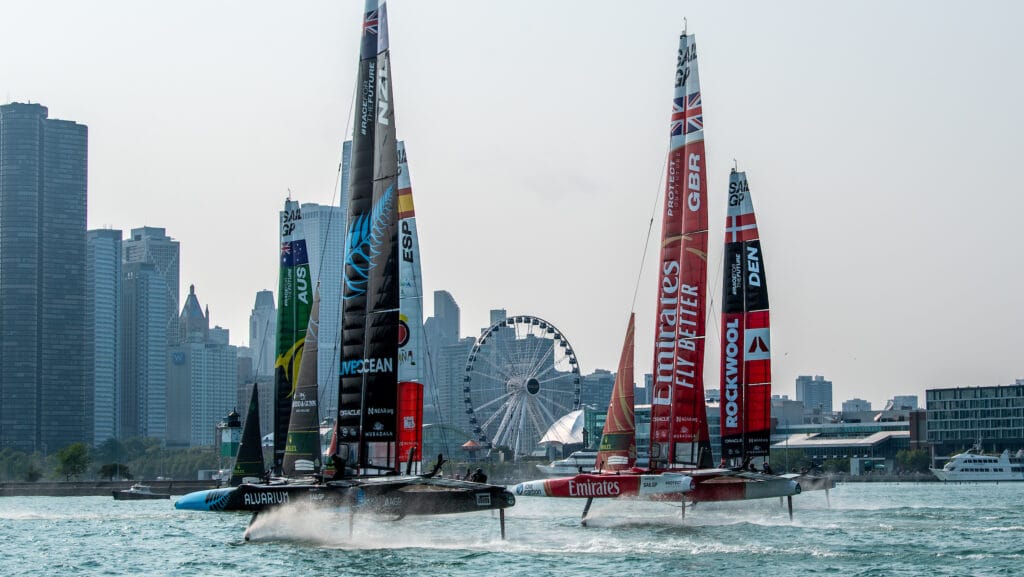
(262,333)
(103,310)
(143,351)
(441,330)
(151,245)
(43,166)
(815,393)
(202,378)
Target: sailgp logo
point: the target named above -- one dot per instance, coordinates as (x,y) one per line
(365,237)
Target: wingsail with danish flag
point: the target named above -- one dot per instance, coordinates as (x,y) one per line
(746,356)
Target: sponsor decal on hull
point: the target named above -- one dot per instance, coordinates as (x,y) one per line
(265,498)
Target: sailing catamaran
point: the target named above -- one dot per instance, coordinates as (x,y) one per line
(366,439)
(680,440)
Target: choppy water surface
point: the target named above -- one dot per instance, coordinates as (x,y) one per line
(870,529)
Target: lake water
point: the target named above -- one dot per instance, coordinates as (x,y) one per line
(866,529)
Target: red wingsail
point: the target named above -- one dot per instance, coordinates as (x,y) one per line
(618,440)
(679,429)
(746,344)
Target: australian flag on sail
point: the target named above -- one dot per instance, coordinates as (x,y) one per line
(293,252)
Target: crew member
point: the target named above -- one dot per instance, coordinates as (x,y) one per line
(478,476)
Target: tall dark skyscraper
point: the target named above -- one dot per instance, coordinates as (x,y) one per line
(43,346)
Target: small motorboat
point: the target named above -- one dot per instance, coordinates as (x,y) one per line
(137,492)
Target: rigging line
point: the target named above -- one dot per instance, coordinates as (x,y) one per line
(336,189)
(650,228)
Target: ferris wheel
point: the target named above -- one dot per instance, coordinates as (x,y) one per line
(521,376)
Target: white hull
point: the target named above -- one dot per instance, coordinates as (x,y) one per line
(972,477)
(973,466)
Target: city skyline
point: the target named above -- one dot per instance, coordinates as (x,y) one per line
(878,224)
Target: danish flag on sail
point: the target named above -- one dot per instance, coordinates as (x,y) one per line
(746,342)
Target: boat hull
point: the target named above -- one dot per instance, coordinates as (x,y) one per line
(606,485)
(136,496)
(398,496)
(812,482)
(741,487)
(971,477)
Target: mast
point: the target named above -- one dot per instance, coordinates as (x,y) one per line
(746,344)
(302,449)
(617,450)
(368,383)
(294,298)
(679,429)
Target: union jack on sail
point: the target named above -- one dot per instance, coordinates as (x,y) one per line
(370,22)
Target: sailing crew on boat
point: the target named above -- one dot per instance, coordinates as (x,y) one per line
(478,476)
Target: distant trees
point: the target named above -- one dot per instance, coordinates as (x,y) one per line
(913,460)
(115,471)
(73,460)
(788,460)
(20,466)
(836,466)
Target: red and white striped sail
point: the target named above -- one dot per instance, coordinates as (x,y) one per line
(617,450)
(746,343)
(679,429)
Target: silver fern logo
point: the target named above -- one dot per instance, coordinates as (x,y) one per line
(365,237)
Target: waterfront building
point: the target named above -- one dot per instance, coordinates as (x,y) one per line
(856,406)
(262,333)
(902,403)
(642,394)
(202,378)
(449,370)
(43,352)
(959,417)
(596,389)
(440,330)
(103,321)
(786,411)
(143,390)
(151,245)
(867,444)
(816,395)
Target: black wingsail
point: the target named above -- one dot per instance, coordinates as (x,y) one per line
(368,382)
(249,461)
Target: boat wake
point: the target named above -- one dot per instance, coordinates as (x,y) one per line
(329,528)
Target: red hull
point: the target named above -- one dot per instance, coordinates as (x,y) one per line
(607,486)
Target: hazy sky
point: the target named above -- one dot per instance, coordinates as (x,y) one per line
(880,140)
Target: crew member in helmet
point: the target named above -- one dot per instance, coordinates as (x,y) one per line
(478,476)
